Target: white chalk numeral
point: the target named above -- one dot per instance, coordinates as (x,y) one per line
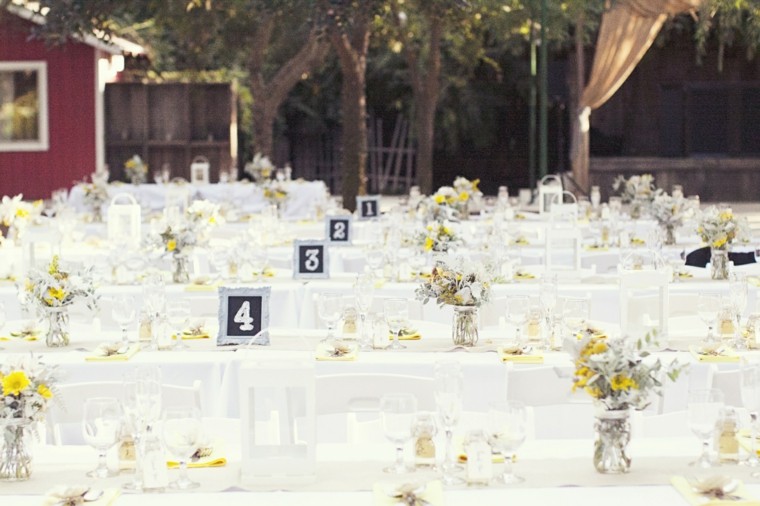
(339,230)
(312,259)
(243,316)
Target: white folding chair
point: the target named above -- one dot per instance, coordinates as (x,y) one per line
(642,293)
(64,419)
(355,399)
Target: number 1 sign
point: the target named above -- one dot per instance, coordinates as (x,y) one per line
(243,316)
(310,260)
(368,207)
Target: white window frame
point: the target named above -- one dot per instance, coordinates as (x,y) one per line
(41,144)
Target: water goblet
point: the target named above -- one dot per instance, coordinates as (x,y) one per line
(575,312)
(507,429)
(448,392)
(750,392)
(708,306)
(375,259)
(397,411)
(101,429)
(397,317)
(364,291)
(704,409)
(330,309)
(548,301)
(517,312)
(178,312)
(182,433)
(123,311)
(738,293)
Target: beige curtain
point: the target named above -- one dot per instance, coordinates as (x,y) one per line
(626,32)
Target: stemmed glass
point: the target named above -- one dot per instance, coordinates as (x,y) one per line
(704,409)
(101,429)
(397,317)
(575,311)
(364,292)
(330,308)
(182,432)
(178,312)
(449,391)
(416,263)
(708,306)
(548,299)
(123,312)
(737,286)
(750,390)
(375,259)
(258,258)
(517,311)
(507,428)
(3,315)
(397,411)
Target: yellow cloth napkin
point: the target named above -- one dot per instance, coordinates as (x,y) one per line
(695,498)
(521,241)
(187,335)
(324,353)
(524,275)
(723,357)
(523,358)
(596,247)
(407,335)
(684,275)
(431,492)
(519,216)
(26,335)
(636,241)
(211,461)
(753,280)
(201,288)
(120,357)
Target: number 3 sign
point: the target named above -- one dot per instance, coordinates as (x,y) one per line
(243,316)
(310,260)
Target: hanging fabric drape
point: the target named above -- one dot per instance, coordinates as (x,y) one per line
(626,32)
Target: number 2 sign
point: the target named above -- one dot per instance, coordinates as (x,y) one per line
(310,260)
(338,230)
(243,316)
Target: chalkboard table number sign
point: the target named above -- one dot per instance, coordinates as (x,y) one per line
(338,230)
(243,316)
(368,207)
(311,260)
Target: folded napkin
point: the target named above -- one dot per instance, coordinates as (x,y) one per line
(339,351)
(110,353)
(521,241)
(524,275)
(210,460)
(201,288)
(519,216)
(496,458)
(407,335)
(637,241)
(596,247)
(27,333)
(520,355)
(81,495)
(735,492)
(717,355)
(196,331)
(753,280)
(684,275)
(413,494)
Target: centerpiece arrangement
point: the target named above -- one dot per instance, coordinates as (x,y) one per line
(669,211)
(275,193)
(260,169)
(618,376)
(637,190)
(719,228)
(465,286)
(136,170)
(17,214)
(28,387)
(437,237)
(202,216)
(96,194)
(52,291)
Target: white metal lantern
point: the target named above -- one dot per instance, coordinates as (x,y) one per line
(199,170)
(124,220)
(549,187)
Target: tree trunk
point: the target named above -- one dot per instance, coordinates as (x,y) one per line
(263,126)
(354,155)
(425,125)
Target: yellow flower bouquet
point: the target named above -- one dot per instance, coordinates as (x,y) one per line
(718,228)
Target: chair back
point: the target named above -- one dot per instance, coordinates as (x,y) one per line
(643,292)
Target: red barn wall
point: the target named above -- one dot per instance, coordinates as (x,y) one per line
(71,115)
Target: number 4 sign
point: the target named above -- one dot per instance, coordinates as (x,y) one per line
(243,316)
(338,230)
(368,207)
(310,260)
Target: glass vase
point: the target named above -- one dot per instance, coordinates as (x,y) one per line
(669,235)
(635,210)
(58,327)
(15,450)
(613,432)
(464,331)
(180,273)
(718,263)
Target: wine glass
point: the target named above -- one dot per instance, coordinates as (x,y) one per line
(134,424)
(416,263)
(548,300)
(364,292)
(258,258)
(704,409)
(148,392)
(101,429)
(449,391)
(182,432)
(507,428)
(397,317)
(575,311)
(517,311)
(375,259)
(123,311)
(738,291)
(329,308)
(750,391)
(178,312)
(708,306)
(397,411)
(3,315)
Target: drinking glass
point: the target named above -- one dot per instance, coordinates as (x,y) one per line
(397,412)
(704,409)
(517,311)
(101,429)
(575,311)
(416,263)
(750,390)
(134,425)
(123,311)
(148,392)
(375,259)
(507,428)
(258,258)
(182,433)
(178,312)
(397,317)
(449,391)
(329,308)
(2,315)
(708,306)
(738,291)
(364,292)
(548,299)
